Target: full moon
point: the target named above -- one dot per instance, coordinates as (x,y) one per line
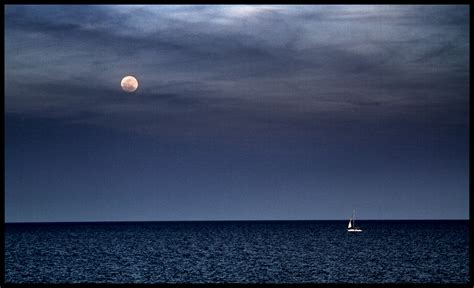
(129,84)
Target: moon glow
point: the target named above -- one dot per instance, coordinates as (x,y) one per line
(129,84)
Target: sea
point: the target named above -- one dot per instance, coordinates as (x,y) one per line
(238,252)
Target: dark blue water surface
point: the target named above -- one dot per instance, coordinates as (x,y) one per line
(245,252)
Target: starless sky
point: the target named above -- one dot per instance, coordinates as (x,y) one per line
(242,112)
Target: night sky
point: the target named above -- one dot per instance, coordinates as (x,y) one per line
(242,113)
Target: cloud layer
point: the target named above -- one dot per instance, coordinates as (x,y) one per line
(238,65)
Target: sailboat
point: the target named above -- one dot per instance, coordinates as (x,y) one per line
(351,226)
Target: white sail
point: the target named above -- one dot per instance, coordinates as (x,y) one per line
(351,226)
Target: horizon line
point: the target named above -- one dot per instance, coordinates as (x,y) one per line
(239,220)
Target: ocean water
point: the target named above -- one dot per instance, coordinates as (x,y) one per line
(241,251)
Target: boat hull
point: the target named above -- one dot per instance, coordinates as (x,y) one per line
(354,230)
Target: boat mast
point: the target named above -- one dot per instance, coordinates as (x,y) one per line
(353,218)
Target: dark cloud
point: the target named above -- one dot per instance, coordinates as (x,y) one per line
(282,60)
